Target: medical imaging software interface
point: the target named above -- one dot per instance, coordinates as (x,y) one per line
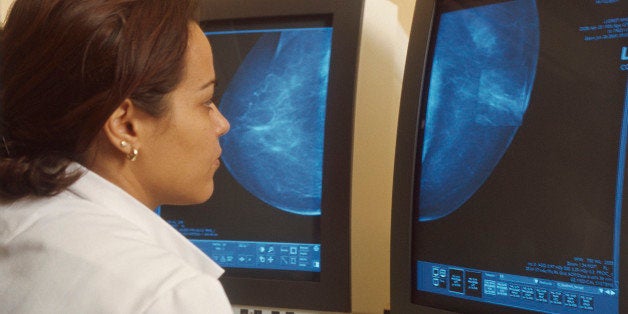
(521,185)
(266,208)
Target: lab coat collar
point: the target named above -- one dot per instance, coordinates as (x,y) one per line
(97,189)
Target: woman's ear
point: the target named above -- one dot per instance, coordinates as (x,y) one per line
(120,128)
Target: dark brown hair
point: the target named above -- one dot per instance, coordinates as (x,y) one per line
(65,66)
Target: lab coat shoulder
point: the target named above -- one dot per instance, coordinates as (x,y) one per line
(77,257)
(185,298)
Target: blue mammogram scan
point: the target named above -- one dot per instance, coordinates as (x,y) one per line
(484,64)
(276,104)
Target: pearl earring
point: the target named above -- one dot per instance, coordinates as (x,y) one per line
(132,156)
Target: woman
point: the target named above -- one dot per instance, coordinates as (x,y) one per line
(106,112)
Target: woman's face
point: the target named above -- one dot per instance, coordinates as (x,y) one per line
(182,152)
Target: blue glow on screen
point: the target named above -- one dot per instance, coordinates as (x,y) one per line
(481,79)
(276,104)
(529,293)
(484,66)
(263,255)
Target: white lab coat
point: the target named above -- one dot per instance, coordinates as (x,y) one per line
(95,249)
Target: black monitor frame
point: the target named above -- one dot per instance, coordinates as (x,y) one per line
(333,291)
(401,282)
(409,135)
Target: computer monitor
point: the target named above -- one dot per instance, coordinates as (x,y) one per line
(509,180)
(279,219)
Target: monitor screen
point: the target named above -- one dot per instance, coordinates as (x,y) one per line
(514,154)
(278,220)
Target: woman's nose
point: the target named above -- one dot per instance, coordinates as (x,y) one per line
(223,125)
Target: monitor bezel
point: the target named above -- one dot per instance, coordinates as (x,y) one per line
(407,168)
(333,291)
(401,281)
